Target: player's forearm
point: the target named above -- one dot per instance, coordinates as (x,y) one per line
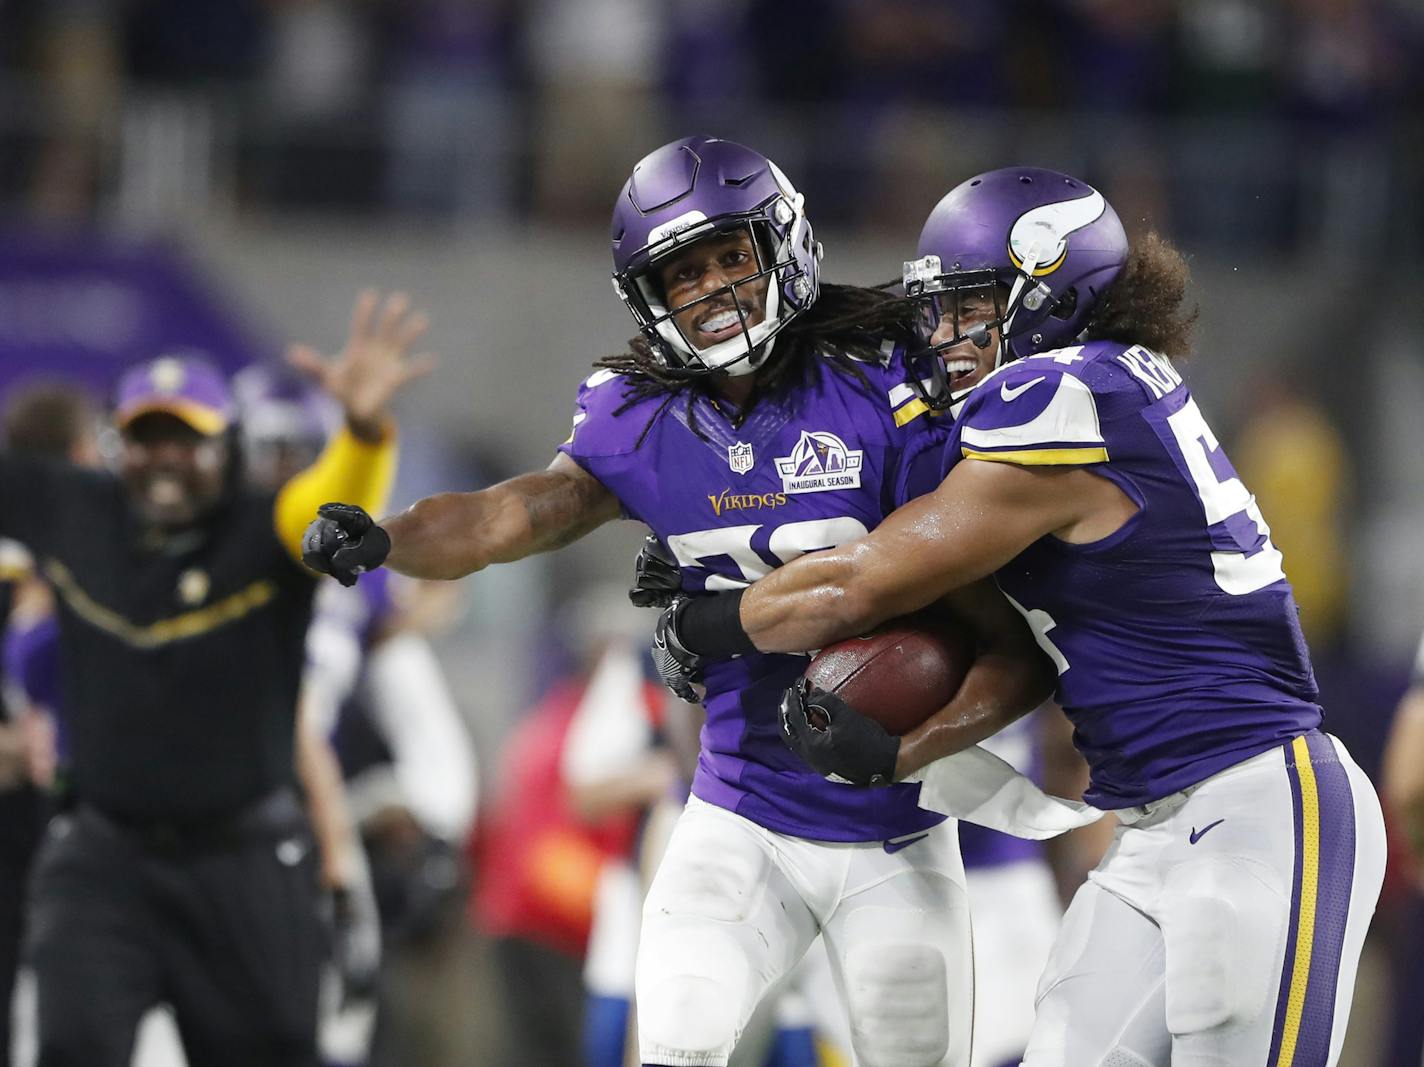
(1402,784)
(330,817)
(1002,685)
(934,545)
(450,535)
(812,602)
(454,534)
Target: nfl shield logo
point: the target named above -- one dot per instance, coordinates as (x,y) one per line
(739,456)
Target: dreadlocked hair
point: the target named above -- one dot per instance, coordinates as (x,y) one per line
(847,324)
(1144,306)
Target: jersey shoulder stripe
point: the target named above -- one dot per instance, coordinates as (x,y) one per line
(1035,414)
(906,402)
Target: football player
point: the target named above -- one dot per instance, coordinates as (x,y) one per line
(1226,922)
(760,415)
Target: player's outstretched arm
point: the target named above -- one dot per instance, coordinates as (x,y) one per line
(453,534)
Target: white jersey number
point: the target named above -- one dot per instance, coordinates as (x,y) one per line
(735,542)
(1226,501)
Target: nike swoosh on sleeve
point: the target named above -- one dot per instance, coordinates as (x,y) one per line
(1008,394)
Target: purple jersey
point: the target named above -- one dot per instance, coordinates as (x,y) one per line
(1176,638)
(806,471)
(31,654)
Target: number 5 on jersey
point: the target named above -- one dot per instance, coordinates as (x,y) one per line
(1243,559)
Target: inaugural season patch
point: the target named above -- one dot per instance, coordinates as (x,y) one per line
(819,462)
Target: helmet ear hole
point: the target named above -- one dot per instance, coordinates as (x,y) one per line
(1066,305)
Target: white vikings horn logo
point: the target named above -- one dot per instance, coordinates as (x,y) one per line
(1042,234)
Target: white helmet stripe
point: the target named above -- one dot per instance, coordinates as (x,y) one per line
(1046,228)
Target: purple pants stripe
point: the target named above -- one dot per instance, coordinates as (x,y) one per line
(1324,819)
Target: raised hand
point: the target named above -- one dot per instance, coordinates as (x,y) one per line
(376,362)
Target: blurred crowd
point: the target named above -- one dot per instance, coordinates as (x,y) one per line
(488,109)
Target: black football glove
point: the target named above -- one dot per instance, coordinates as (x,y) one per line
(657,578)
(343,541)
(835,739)
(680,670)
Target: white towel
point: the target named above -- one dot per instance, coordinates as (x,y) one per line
(979,787)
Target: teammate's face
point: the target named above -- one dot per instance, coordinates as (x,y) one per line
(174,473)
(959,313)
(699,287)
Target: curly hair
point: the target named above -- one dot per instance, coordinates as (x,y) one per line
(1145,305)
(846,324)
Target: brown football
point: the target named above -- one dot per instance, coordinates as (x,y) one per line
(900,673)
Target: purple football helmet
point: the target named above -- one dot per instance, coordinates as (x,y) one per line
(1043,245)
(285,422)
(694,188)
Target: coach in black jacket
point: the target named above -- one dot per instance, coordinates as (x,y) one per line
(186,871)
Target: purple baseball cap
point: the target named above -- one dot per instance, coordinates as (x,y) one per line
(183,385)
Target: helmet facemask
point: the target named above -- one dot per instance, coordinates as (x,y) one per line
(788,289)
(938,296)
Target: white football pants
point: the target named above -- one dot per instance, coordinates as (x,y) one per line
(735,906)
(1225,923)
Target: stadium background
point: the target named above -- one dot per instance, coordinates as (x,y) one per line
(242,167)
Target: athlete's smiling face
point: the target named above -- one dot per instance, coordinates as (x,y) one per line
(174,473)
(959,313)
(697,279)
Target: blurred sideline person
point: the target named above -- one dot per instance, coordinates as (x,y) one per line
(614,763)
(541,850)
(185,871)
(60,419)
(1226,922)
(1402,774)
(758,416)
(619,760)
(57,420)
(1402,787)
(372,643)
(372,688)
